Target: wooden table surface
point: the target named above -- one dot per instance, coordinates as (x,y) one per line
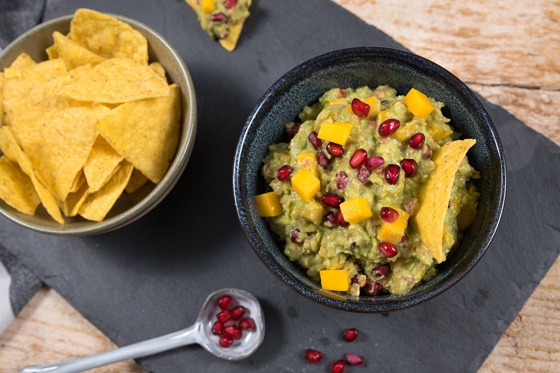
(509,52)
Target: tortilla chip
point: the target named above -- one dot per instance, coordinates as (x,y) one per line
(107,36)
(230,42)
(434,195)
(79,180)
(116,81)
(23,60)
(193,4)
(101,164)
(137,181)
(73,54)
(97,205)
(52,52)
(11,149)
(158,69)
(58,142)
(75,200)
(145,132)
(16,189)
(1,99)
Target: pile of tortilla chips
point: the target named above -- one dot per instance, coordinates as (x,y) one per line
(92,121)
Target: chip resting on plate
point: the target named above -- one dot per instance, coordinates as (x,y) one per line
(73,54)
(137,181)
(16,189)
(23,60)
(101,164)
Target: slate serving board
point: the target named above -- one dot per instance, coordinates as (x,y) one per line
(151,277)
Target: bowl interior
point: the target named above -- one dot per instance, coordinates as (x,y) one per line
(369,67)
(128,207)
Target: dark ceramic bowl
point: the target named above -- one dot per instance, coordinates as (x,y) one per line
(371,67)
(128,207)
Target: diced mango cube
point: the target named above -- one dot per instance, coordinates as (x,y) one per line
(337,132)
(336,101)
(207,6)
(393,232)
(418,103)
(307,159)
(465,218)
(439,132)
(355,210)
(335,279)
(314,212)
(305,184)
(374,106)
(384,115)
(405,131)
(268,204)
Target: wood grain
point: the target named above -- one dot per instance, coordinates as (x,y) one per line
(509,52)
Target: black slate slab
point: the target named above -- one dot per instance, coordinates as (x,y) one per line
(151,277)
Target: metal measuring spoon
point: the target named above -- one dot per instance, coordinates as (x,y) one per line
(200,332)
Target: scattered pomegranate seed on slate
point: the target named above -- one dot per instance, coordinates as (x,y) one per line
(417,140)
(335,150)
(224,316)
(360,108)
(409,166)
(234,331)
(373,288)
(226,340)
(350,335)
(373,162)
(247,324)
(237,313)
(323,160)
(389,127)
(389,214)
(314,140)
(284,173)
(358,158)
(332,200)
(313,356)
(338,366)
(224,302)
(217,328)
(354,359)
(387,249)
(341,221)
(392,173)
(293,131)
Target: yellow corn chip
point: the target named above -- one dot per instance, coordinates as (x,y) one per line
(58,142)
(52,52)
(107,36)
(75,200)
(11,149)
(98,204)
(115,81)
(16,188)
(79,180)
(434,195)
(158,69)
(230,42)
(1,99)
(23,60)
(137,181)
(101,164)
(145,132)
(193,4)
(73,54)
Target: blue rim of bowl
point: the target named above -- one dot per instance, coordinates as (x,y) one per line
(174,172)
(377,303)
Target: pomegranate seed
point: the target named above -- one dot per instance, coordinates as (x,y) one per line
(355,280)
(363,174)
(341,180)
(234,331)
(409,166)
(354,359)
(392,173)
(294,130)
(335,150)
(428,152)
(219,17)
(338,366)
(417,140)
(373,162)
(388,214)
(331,218)
(341,221)
(226,341)
(373,288)
(294,236)
(313,356)
(284,173)
(360,108)
(323,160)
(217,328)
(350,335)
(314,140)
(388,127)
(358,158)
(387,249)
(224,316)
(248,324)
(381,271)
(237,312)
(332,200)
(224,302)
(230,3)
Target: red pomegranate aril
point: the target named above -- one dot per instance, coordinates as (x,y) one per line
(284,173)
(373,288)
(392,173)
(409,166)
(341,180)
(381,271)
(228,4)
(374,162)
(363,175)
(360,108)
(387,249)
(224,316)
(293,131)
(234,331)
(313,356)
(341,221)
(350,335)
(335,150)
(332,200)
(237,313)
(389,127)
(338,366)
(294,236)
(219,17)
(323,160)
(417,140)
(224,302)
(358,158)
(247,324)
(226,341)
(218,328)
(314,140)
(354,359)
(331,218)
(388,214)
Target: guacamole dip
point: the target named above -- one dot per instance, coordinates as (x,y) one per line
(351,183)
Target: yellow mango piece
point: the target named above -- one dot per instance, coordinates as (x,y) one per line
(374,106)
(465,218)
(335,279)
(405,131)
(393,232)
(439,132)
(355,210)
(418,103)
(384,115)
(268,204)
(336,101)
(307,159)
(207,6)
(314,212)
(305,184)
(337,132)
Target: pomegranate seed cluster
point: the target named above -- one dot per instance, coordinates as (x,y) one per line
(349,185)
(231,322)
(339,366)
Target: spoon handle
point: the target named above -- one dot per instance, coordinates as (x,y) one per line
(166,342)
